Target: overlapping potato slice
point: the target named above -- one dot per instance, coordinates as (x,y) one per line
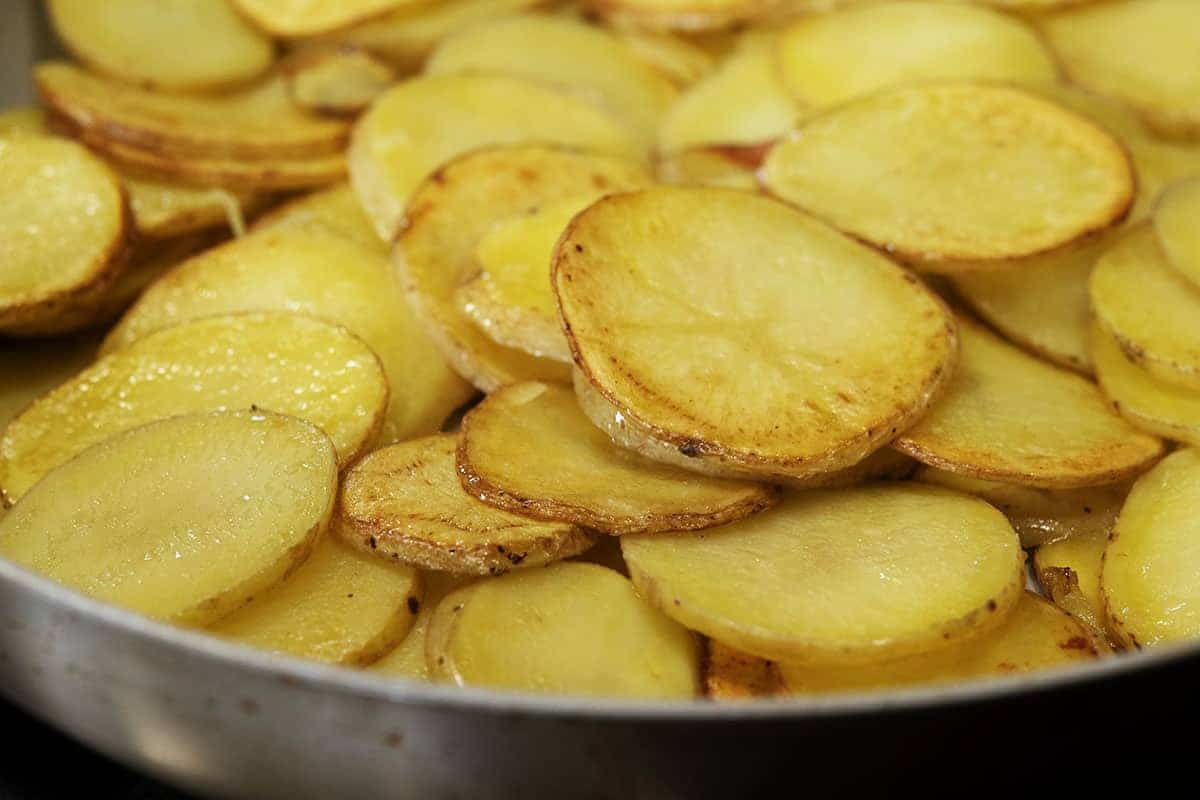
(276,361)
(1177,225)
(940,174)
(183,520)
(407,659)
(683,15)
(576,474)
(1010,417)
(335,210)
(921,568)
(569,628)
(825,59)
(1035,636)
(730,674)
(1069,572)
(178,45)
(710,166)
(733,334)
(680,60)
(29,370)
(339,81)
(405,503)
(313,271)
(1148,580)
(454,209)
(293,18)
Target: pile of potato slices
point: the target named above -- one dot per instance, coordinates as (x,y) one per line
(632,348)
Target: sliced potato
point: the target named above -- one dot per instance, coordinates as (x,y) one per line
(733,675)
(455,208)
(339,81)
(335,210)
(407,659)
(683,15)
(28,370)
(183,520)
(276,361)
(940,174)
(178,46)
(680,60)
(569,628)
(165,210)
(1148,579)
(736,335)
(1177,225)
(1159,164)
(1010,417)
(1069,572)
(293,18)
(405,503)
(709,166)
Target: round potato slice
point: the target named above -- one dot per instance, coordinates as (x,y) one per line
(293,18)
(1069,572)
(1009,417)
(455,209)
(569,628)
(683,15)
(576,474)
(183,520)
(941,174)
(839,576)
(281,362)
(405,503)
(179,45)
(338,81)
(736,335)
(1177,224)
(733,675)
(407,659)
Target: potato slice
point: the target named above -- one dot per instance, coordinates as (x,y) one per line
(1148,579)
(1177,224)
(679,59)
(924,567)
(1069,572)
(338,81)
(569,628)
(940,174)
(19,120)
(183,520)
(281,362)
(733,675)
(334,210)
(405,503)
(407,659)
(708,166)
(1010,417)
(576,474)
(293,18)
(178,46)
(828,59)
(682,15)
(414,128)
(163,210)
(736,335)
(28,370)
(1035,636)
(455,208)
(340,606)
(291,270)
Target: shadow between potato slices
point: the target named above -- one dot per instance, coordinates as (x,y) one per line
(730,674)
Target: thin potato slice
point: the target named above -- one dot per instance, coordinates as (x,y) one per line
(179,45)
(569,628)
(733,675)
(680,60)
(29,370)
(293,18)
(165,210)
(407,659)
(405,503)
(339,81)
(940,174)
(683,15)
(183,520)
(334,210)
(1069,572)
(280,362)
(708,166)
(735,335)
(924,567)
(455,208)
(576,474)
(1009,417)
(1177,224)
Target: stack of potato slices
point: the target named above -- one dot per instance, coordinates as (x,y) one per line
(667,349)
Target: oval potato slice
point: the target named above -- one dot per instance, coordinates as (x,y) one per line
(1069,572)
(730,674)
(1177,224)
(294,18)
(405,503)
(682,15)
(407,659)
(940,174)
(569,628)
(734,334)
(183,520)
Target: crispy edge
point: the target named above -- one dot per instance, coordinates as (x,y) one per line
(1062,586)
(729,674)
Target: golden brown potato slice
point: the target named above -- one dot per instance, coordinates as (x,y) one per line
(675,57)
(280,362)
(733,675)
(682,15)
(338,81)
(576,474)
(30,369)
(183,520)
(569,628)
(407,659)
(335,210)
(736,335)
(179,45)
(455,209)
(293,18)
(1177,224)
(1148,578)
(1035,636)
(1069,572)
(405,503)
(1009,417)
(940,174)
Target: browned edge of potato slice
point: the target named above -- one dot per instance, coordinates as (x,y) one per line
(730,674)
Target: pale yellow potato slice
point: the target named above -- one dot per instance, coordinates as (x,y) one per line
(292,269)
(825,59)
(1010,417)
(294,18)
(179,45)
(405,503)
(1177,224)
(340,606)
(335,210)
(30,369)
(735,335)
(730,674)
(941,174)
(1035,636)
(569,628)
(417,126)
(454,209)
(710,166)
(679,59)
(1148,579)
(280,362)
(683,15)
(576,474)
(163,210)
(183,520)
(407,659)
(846,576)
(338,81)
(1069,572)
